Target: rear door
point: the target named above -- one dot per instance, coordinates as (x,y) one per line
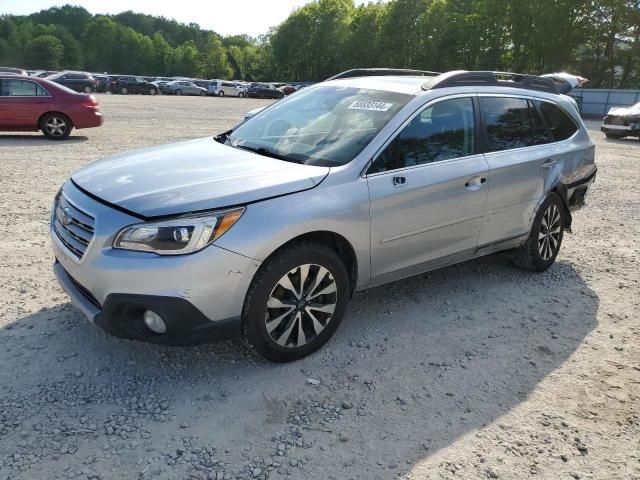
(515,148)
(428,190)
(23,102)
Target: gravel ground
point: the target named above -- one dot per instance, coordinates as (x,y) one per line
(474,371)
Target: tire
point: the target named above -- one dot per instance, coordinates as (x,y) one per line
(221,93)
(541,248)
(614,136)
(153,91)
(203,94)
(240,95)
(274,332)
(87,89)
(178,92)
(56,126)
(124,90)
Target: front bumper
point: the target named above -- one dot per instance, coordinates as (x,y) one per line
(622,130)
(200,296)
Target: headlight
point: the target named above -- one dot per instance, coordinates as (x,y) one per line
(179,236)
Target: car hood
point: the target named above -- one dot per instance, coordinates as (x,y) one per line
(191,176)
(622,111)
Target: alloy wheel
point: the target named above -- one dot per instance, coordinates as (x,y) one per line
(549,234)
(55,126)
(301,305)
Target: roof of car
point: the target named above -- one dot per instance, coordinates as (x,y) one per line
(400,84)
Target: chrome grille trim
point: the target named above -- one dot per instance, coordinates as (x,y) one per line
(78,233)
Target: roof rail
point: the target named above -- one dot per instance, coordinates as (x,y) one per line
(463,78)
(374,72)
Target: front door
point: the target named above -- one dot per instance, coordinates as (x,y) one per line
(428,190)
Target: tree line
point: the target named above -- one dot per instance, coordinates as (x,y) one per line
(598,39)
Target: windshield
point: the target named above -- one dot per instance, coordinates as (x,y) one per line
(324,125)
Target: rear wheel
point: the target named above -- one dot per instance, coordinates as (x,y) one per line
(203,93)
(124,90)
(296,302)
(178,92)
(87,89)
(56,126)
(152,91)
(221,93)
(541,248)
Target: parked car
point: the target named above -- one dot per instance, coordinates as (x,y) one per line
(287,89)
(622,122)
(263,90)
(76,81)
(101,83)
(222,88)
(17,71)
(183,87)
(269,229)
(44,73)
(125,85)
(31,104)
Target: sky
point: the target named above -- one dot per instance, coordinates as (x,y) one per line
(227,17)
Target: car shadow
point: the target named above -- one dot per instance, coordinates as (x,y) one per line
(622,141)
(423,361)
(37,139)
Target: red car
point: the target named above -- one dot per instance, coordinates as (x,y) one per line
(30,104)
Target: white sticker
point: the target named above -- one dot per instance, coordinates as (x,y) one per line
(370,106)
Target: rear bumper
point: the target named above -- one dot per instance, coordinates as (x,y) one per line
(121,315)
(88,120)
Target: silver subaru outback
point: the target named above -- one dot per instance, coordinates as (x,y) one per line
(267,230)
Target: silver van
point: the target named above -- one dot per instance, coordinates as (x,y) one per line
(269,229)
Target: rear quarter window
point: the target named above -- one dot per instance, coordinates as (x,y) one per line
(560,123)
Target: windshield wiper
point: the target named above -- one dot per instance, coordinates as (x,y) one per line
(269,153)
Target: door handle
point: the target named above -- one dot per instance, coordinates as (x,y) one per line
(548,164)
(399,181)
(474,183)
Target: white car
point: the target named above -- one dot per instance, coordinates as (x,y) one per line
(223,88)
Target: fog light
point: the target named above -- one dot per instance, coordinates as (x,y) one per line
(154,322)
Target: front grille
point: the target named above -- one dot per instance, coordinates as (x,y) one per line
(73,227)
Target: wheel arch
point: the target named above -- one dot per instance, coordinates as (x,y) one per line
(333,240)
(57,113)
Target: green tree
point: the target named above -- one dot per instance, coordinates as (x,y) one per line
(214,61)
(45,51)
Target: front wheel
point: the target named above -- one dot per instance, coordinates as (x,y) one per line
(203,93)
(152,91)
(178,92)
(87,89)
(296,302)
(541,248)
(221,93)
(56,126)
(124,91)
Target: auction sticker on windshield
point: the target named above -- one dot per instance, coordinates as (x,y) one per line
(370,106)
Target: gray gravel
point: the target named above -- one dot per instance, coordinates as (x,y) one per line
(475,371)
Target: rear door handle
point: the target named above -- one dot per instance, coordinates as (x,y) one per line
(475,183)
(399,181)
(548,164)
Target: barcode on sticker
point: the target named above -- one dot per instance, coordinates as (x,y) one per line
(370,106)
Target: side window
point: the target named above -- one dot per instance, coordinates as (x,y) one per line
(442,131)
(539,131)
(4,88)
(560,124)
(508,123)
(23,88)
(41,92)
